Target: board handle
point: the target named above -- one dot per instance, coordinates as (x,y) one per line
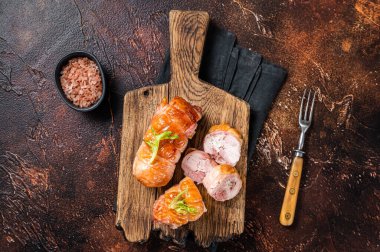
(187,35)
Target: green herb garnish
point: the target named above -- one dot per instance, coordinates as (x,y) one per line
(180,206)
(155,142)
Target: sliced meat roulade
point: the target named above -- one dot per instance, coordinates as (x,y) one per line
(167,137)
(196,164)
(223,143)
(222,182)
(179,205)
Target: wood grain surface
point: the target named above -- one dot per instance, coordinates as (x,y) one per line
(59,168)
(289,203)
(223,220)
(135,201)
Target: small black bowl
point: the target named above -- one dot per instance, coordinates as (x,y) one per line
(58,70)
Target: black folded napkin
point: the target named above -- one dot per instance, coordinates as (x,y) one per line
(239,71)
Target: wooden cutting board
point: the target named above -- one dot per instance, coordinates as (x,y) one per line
(135,201)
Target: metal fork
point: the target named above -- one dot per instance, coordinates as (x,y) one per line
(290,199)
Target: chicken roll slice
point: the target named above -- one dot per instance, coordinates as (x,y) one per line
(222,182)
(179,205)
(196,164)
(164,141)
(223,143)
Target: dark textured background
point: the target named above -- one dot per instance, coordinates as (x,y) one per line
(58,167)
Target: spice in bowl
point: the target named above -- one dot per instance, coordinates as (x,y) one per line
(81,82)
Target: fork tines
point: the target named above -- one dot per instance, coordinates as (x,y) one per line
(305,119)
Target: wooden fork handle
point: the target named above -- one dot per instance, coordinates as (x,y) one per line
(290,199)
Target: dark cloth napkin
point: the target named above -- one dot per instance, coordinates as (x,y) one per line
(240,72)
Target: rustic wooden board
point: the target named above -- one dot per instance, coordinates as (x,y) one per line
(134,203)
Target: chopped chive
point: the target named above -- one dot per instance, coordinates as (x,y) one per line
(155,142)
(180,206)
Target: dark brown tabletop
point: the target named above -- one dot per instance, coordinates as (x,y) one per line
(59,167)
